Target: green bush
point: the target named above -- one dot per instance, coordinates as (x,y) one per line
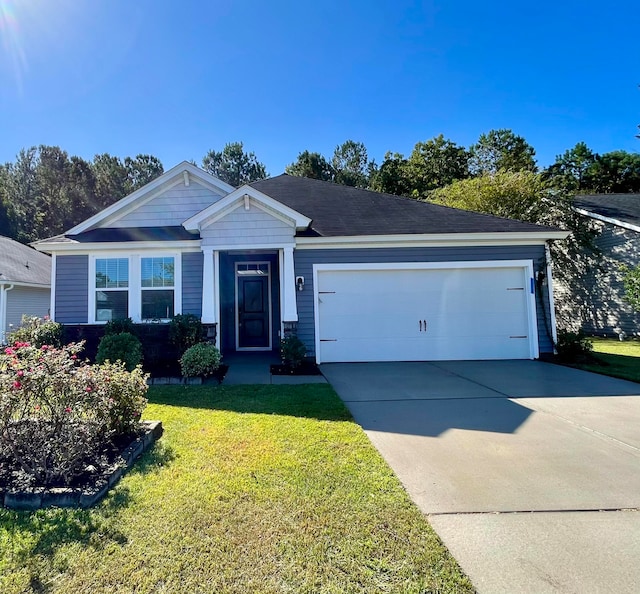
(573,346)
(292,351)
(37,332)
(123,347)
(118,326)
(185,330)
(200,360)
(57,413)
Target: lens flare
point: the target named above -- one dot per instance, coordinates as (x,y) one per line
(13,52)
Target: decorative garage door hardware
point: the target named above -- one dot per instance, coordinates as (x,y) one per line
(423,325)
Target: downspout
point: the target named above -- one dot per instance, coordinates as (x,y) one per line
(3,311)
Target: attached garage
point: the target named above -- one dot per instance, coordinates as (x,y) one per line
(425,311)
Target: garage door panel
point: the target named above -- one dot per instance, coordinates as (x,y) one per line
(380,315)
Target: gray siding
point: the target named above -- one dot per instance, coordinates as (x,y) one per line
(192,264)
(72,287)
(305,259)
(26,301)
(248,227)
(169,208)
(595,302)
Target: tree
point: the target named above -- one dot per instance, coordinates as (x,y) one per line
(501,150)
(311,165)
(142,170)
(616,172)
(391,177)
(526,196)
(631,282)
(351,164)
(233,166)
(111,179)
(572,170)
(434,164)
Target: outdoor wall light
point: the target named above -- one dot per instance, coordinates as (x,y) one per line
(300,282)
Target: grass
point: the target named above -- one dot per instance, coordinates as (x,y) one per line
(616,358)
(251,489)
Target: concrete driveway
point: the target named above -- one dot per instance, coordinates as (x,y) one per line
(528,471)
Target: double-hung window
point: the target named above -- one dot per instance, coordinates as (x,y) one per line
(157,276)
(111,289)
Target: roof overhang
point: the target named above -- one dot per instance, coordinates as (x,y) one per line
(181,173)
(77,247)
(235,199)
(431,240)
(599,217)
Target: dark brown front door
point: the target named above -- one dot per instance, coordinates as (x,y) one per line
(253,311)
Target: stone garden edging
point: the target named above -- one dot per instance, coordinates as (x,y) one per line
(83,497)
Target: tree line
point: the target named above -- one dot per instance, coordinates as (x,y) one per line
(45,191)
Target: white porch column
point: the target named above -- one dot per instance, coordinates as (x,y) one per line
(288,287)
(209,288)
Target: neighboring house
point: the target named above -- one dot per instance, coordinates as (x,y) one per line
(358,275)
(25,284)
(598,298)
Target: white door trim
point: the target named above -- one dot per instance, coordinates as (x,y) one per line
(270,312)
(527,265)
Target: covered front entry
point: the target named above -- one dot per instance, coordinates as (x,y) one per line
(249,301)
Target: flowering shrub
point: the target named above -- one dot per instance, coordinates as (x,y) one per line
(200,360)
(37,331)
(57,412)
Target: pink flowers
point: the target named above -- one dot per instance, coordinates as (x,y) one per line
(67,409)
(17,385)
(9,351)
(88,389)
(20,373)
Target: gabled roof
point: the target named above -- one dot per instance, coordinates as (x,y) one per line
(618,209)
(22,264)
(235,198)
(338,210)
(164,181)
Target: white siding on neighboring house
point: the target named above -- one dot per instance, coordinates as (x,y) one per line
(248,227)
(26,301)
(596,302)
(171,208)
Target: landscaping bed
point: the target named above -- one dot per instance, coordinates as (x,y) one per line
(305,368)
(86,489)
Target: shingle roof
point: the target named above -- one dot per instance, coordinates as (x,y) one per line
(22,264)
(338,210)
(125,234)
(621,207)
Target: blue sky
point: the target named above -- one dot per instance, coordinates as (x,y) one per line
(175,79)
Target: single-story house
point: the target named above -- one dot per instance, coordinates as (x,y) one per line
(598,298)
(25,284)
(358,275)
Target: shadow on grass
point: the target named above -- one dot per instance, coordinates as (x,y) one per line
(314,401)
(35,537)
(160,455)
(622,366)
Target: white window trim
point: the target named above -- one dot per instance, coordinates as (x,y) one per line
(135,284)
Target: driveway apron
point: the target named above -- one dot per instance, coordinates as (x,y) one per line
(529,472)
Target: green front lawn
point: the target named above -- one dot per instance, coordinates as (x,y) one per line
(251,489)
(616,358)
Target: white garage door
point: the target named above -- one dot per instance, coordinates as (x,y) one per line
(413,313)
